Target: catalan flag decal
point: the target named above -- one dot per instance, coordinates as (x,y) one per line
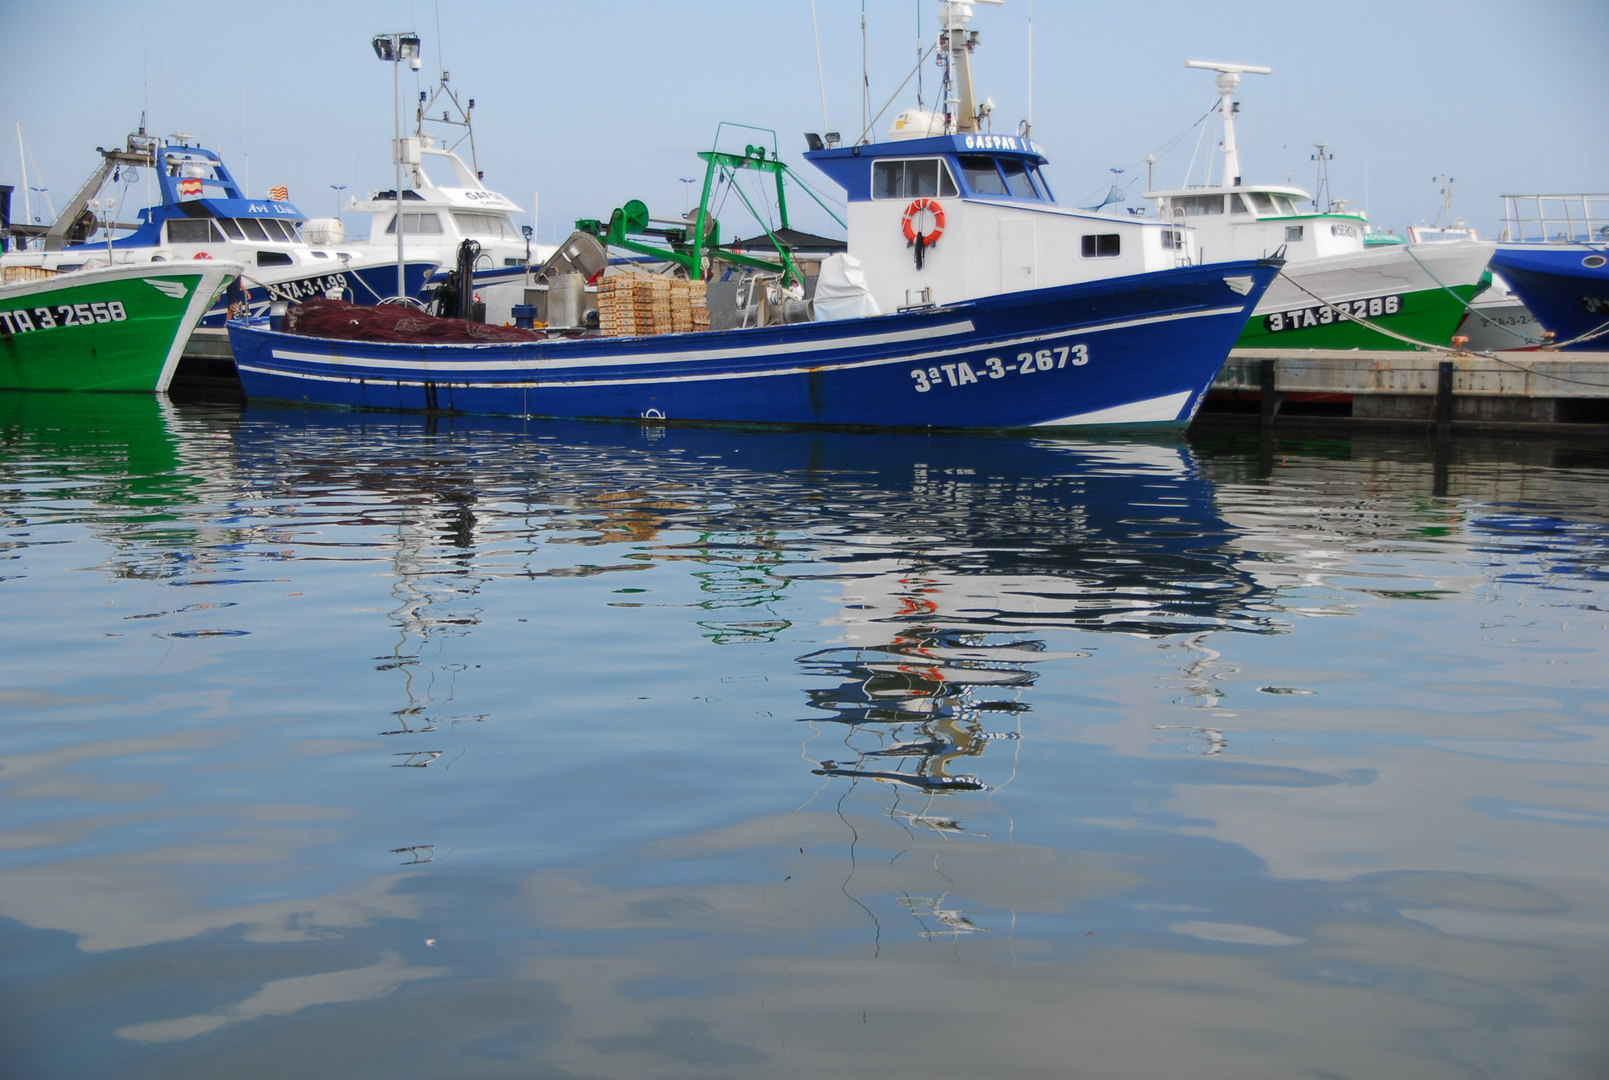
(278,194)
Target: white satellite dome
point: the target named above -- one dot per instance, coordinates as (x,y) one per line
(916,124)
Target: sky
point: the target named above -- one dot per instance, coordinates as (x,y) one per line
(593,103)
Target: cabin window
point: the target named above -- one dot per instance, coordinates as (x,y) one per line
(194,231)
(1039,182)
(1017,181)
(1293,233)
(1196,205)
(280,230)
(1103,246)
(1264,204)
(496,226)
(253,229)
(981,175)
(228,225)
(1286,206)
(911,179)
(415,225)
(273,258)
(1172,239)
(1237,205)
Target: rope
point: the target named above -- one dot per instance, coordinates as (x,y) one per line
(1528,339)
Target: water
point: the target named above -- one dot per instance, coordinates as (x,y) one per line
(360,745)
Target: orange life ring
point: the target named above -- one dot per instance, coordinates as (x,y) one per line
(917,206)
(201,255)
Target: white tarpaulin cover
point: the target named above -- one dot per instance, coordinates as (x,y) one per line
(841,291)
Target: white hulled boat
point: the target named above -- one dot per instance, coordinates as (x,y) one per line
(1333,278)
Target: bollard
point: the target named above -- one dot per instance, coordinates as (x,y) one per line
(1444,399)
(1268,402)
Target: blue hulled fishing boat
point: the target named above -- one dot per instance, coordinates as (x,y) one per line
(199,212)
(965,297)
(1554,254)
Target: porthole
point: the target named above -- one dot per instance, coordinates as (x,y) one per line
(1592,262)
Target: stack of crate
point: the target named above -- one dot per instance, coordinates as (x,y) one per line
(630,304)
(688,309)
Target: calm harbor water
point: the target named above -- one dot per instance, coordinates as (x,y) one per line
(348,745)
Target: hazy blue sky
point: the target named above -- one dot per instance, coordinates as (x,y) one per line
(595,103)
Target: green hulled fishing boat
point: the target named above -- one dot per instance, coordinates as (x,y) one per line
(107,328)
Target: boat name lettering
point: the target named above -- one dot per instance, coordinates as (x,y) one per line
(485,196)
(994,142)
(961,372)
(1327,314)
(44,318)
(301,290)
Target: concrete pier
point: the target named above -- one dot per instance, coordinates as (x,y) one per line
(1505,391)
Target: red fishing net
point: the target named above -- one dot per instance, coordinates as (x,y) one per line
(391,322)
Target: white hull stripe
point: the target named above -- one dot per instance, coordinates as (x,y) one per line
(428,367)
(1152,411)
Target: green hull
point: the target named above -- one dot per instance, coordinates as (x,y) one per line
(1429,315)
(105,330)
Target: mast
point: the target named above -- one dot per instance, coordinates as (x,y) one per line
(956,43)
(1228,79)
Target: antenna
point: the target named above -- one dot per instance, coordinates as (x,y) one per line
(1228,79)
(1030,128)
(1322,195)
(865,86)
(821,80)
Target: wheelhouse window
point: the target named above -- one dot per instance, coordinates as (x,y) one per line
(194,231)
(1237,205)
(1103,246)
(228,225)
(1017,182)
(1039,182)
(415,225)
(1197,205)
(1263,202)
(252,228)
(982,177)
(280,230)
(496,226)
(912,178)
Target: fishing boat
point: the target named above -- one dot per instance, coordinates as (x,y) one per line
(967,298)
(105,328)
(198,212)
(1338,290)
(440,213)
(1554,254)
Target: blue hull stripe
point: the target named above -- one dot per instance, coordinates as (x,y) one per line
(534,380)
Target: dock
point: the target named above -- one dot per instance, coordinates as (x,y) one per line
(1520,392)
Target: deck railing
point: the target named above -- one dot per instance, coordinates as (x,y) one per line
(1557,219)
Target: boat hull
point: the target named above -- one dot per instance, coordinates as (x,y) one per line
(1421,292)
(1136,351)
(121,329)
(1567,296)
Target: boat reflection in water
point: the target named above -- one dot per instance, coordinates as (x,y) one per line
(944,626)
(956,555)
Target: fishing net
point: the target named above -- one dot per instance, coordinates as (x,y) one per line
(338,319)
